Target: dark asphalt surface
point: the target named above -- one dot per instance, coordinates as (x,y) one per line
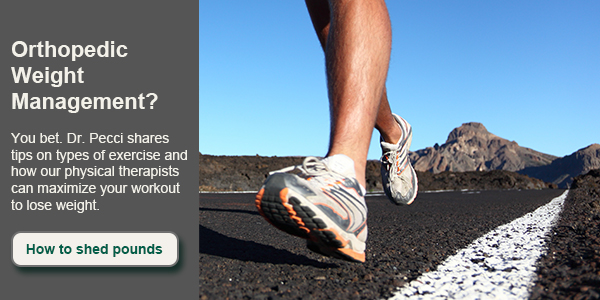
(244,257)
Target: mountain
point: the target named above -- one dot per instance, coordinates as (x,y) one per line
(562,170)
(471,147)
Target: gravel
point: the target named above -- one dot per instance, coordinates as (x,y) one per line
(571,267)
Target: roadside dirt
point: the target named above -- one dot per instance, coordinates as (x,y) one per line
(571,267)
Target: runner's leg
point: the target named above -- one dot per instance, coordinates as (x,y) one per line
(357,44)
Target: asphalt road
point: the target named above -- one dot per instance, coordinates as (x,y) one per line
(244,257)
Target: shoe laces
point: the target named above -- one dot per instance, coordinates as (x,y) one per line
(310,167)
(389,159)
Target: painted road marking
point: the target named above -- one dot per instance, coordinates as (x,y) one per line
(499,265)
(228,192)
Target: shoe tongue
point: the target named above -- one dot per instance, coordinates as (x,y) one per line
(340,164)
(387,147)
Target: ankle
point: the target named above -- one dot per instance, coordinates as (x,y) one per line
(348,166)
(390,130)
(393,136)
(360,171)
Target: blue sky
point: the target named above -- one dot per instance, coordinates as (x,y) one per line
(528,70)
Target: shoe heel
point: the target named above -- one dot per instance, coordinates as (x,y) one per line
(274,205)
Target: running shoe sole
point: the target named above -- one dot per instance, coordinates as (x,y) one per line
(282,204)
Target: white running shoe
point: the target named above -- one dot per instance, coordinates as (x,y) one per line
(398,176)
(324,204)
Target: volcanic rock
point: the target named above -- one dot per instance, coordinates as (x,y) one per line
(562,171)
(239,173)
(247,173)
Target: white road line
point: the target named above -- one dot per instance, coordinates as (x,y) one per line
(374,194)
(499,265)
(367,195)
(229,192)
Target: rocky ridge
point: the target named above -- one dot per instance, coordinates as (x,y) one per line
(471,147)
(562,170)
